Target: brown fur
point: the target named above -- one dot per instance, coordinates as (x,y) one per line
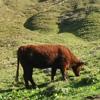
(44,56)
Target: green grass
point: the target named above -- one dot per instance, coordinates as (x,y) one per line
(83,21)
(81,37)
(88,84)
(90,27)
(45,22)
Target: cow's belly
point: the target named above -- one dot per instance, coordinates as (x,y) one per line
(42,65)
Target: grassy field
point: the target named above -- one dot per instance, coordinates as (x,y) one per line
(75,25)
(85,86)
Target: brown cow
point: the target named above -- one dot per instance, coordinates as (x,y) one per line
(45,56)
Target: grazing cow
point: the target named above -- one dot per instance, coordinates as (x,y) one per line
(45,56)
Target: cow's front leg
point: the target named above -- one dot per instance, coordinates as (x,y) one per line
(63,71)
(53,73)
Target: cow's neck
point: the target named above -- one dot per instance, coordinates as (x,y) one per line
(74,60)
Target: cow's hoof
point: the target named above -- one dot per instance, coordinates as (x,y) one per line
(35,87)
(65,80)
(52,81)
(27,87)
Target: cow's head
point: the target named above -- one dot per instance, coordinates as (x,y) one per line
(77,67)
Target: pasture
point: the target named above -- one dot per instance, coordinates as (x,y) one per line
(83,87)
(73,24)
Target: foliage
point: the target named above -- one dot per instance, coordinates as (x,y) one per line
(54,92)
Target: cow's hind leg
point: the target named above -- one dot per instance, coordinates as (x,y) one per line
(26,79)
(53,72)
(31,79)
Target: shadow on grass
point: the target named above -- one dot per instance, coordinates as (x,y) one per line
(30,86)
(83,82)
(13,84)
(2,91)
(43,85)
(19,86)
(94,97)
(48,92)
(9,90)
(28,24)
(70,27)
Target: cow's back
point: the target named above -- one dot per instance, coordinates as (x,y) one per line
(39,56)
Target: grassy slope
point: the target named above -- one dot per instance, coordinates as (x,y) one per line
(87,85)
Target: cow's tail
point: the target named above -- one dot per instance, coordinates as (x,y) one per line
(17,72)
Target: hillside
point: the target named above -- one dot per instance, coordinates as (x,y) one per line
(80,18)
(73,23)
